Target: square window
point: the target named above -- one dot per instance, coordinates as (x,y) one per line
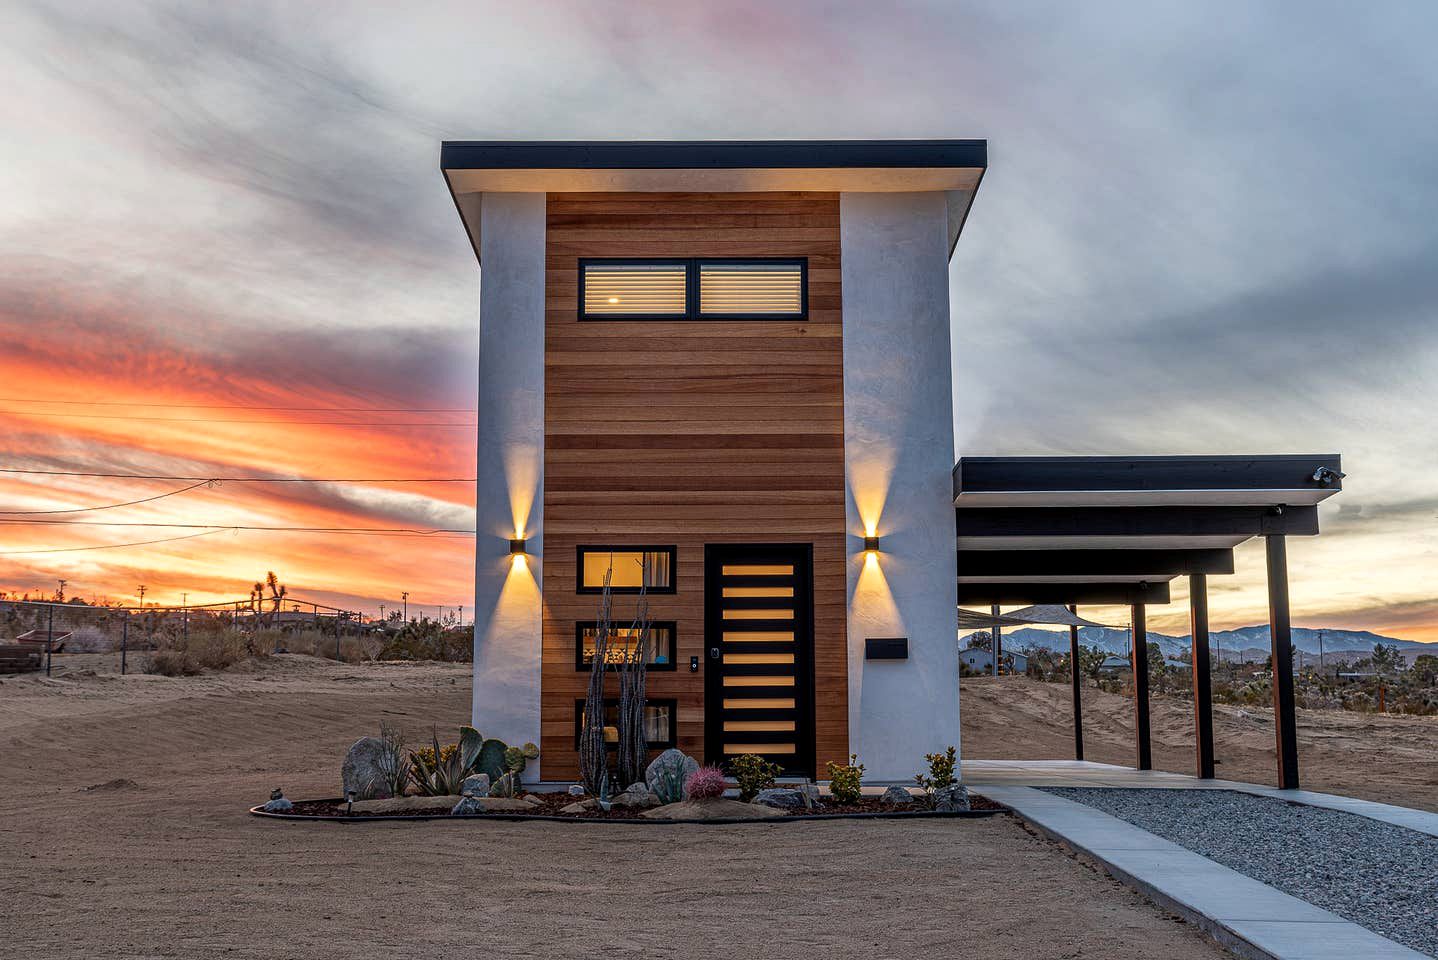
(759,288)
(621,644)
(659,730)
(618,290)
(627,567)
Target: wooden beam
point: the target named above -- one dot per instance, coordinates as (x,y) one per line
(975,594)
(1281,639)
(1075,563)
(1073,475)
(1168,521)
(1076,679)
(1143,746)
(1202,683)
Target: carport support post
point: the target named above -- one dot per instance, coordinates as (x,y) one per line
(1281,638)
(1202,683)
(1076,677)
(1143,748)
(995,640)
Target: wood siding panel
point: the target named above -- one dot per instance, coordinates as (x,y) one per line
(691,432)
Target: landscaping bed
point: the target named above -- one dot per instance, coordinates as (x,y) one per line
(549,806)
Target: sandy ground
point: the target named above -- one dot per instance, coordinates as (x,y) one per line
(1391,759)
(171,866)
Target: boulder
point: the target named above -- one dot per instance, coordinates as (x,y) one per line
(667,773)
(637,796)
(580,806)
(576,789)
(951,799)
(407,805)
(278,805)
(363,770)
(475,785)
(719,808)
(506,805)
(468,804)
(532,800)
(897,796)
(782,798)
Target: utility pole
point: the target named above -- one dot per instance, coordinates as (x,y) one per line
(142,596)
(1320,652)
(404,595)
(60,592)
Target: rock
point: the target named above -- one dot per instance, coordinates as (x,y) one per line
(897,796)
(637,796)
(783,798)
(951,799)
(576,789)
(719,808)
(581,806)
(532,800)
(407,805)
(278,804)
(505,805)
(666,775)
(363,770)
(468,804)
(475,785)
(810,792)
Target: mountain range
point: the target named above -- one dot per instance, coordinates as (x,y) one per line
(1249,642)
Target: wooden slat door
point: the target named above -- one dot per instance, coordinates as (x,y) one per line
(759,641)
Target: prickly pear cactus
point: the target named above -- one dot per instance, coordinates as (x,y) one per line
(492,759)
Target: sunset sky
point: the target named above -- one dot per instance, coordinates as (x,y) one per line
(1204,230)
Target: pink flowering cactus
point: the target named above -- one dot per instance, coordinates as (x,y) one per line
(706,783)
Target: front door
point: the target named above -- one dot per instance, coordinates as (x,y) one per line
(759,642)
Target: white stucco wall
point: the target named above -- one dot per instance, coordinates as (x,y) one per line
(509,501)
(899,454)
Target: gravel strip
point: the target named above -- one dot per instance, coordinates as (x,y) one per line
(1375,874)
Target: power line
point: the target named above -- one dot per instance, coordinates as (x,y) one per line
(158,476)
(408,531)
(110,546)
(109,506)
(236,406)
(313,423)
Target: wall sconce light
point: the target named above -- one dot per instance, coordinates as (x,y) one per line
(871,544)
(516,547)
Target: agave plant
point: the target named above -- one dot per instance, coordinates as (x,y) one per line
(437,771)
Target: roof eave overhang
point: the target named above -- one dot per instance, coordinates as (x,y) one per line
(953,167)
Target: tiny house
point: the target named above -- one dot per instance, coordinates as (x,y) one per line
(728,365)
(719,372)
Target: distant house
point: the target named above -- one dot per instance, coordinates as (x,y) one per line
(979,660)
(1112,666)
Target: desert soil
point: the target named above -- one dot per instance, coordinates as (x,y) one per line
(123,833)
(1388,758)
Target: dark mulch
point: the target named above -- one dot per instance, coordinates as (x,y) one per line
(551,804)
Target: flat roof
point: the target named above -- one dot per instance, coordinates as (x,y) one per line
(472,168)
(1101,529)
(709,154)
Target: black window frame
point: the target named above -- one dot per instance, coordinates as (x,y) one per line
(692,267)
(671,549)
(671,702)
(582,665)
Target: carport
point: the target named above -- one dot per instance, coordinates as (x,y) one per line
(1079,531)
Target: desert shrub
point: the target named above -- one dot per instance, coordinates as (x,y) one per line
(941,771)
(172,663)
(753,773)
(706,783)
(846,779)
(179,656)
(427,639)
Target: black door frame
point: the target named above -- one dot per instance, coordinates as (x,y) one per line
(802,556)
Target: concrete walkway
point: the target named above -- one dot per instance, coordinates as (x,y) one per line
(1251,918)
(1084,773)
